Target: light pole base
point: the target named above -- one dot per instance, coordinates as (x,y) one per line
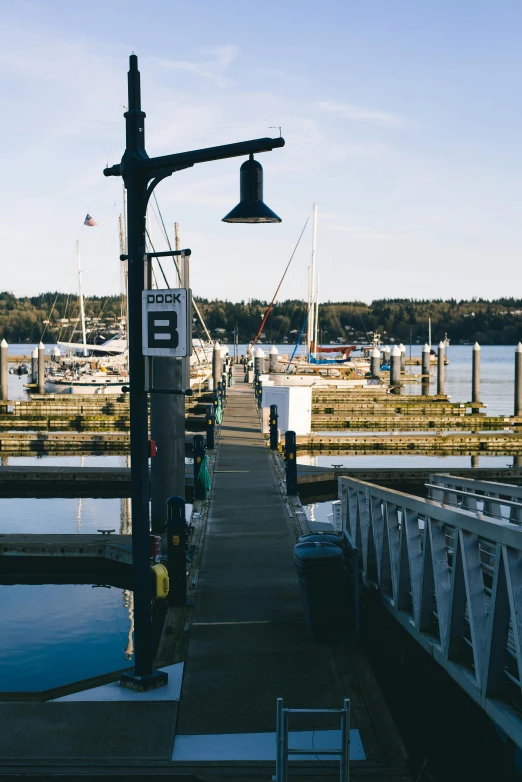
(144,683)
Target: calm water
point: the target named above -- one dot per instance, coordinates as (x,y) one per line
(55,634)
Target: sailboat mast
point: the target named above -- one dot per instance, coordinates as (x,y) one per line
(82,310)
(313,330)
(316,319)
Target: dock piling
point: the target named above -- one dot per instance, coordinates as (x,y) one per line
(210,426)
(395,369)
(291,463)
(426,360)
(273,359)
(34,366)
(440,369)
(403,357)
(274,431)
(375,363)
(176,526)
(199,455)
(41,368)
(4,392)
(217,365)
(475,376)
(518,379)
(259,361)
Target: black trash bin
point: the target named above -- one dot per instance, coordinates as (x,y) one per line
(320,570)
(336,538)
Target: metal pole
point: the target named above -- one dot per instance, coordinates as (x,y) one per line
(41,368)
(518,379)
(475,376)
(279,740)
(345,742)
(440,369)
(142,677)
(4,377)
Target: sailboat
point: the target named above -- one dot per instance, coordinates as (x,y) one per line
(85,372)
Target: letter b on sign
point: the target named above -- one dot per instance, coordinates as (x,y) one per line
(163,329)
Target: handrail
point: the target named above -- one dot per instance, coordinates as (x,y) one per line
(425,560)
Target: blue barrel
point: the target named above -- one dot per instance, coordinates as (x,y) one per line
(320,570)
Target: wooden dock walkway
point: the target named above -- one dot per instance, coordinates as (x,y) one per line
(248,643)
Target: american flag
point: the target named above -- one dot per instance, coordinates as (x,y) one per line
(89,221)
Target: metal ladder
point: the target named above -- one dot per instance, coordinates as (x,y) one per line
(283,750)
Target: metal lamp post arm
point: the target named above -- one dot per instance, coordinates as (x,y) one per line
(167,164)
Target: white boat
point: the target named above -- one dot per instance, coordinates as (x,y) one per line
(88,384)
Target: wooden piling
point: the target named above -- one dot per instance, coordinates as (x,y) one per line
(518,379)
(426,360)
(440,369)
(4,393)
(475,374)
(41,368)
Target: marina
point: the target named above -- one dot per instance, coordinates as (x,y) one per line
(261,407)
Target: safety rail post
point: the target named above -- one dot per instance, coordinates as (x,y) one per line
(176,527)
(291,463)
(224,385)
(274,431)
(199,455)
(283,750)
(210,423)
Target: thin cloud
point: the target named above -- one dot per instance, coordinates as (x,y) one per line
(360,114)
(218,60)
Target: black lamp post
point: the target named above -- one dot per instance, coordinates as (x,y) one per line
(141,174)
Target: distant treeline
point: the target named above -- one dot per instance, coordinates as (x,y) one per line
(497,322)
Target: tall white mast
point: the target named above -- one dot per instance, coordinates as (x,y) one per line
(309,311)
(313,299)
(82,311)
(316,319)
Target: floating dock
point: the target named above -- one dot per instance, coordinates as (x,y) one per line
(243,645)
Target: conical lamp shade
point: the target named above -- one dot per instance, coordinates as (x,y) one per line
(251,207)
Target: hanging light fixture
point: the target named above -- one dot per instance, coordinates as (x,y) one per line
(251,207)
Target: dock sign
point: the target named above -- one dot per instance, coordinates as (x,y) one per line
(165,317)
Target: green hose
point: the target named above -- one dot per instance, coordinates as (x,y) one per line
(219,413)
(204,475)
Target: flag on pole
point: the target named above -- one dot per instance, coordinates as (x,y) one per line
(89,221)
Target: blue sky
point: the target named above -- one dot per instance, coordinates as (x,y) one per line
(402,121)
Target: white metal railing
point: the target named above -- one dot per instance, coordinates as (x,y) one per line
(453,579)
(495,500)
